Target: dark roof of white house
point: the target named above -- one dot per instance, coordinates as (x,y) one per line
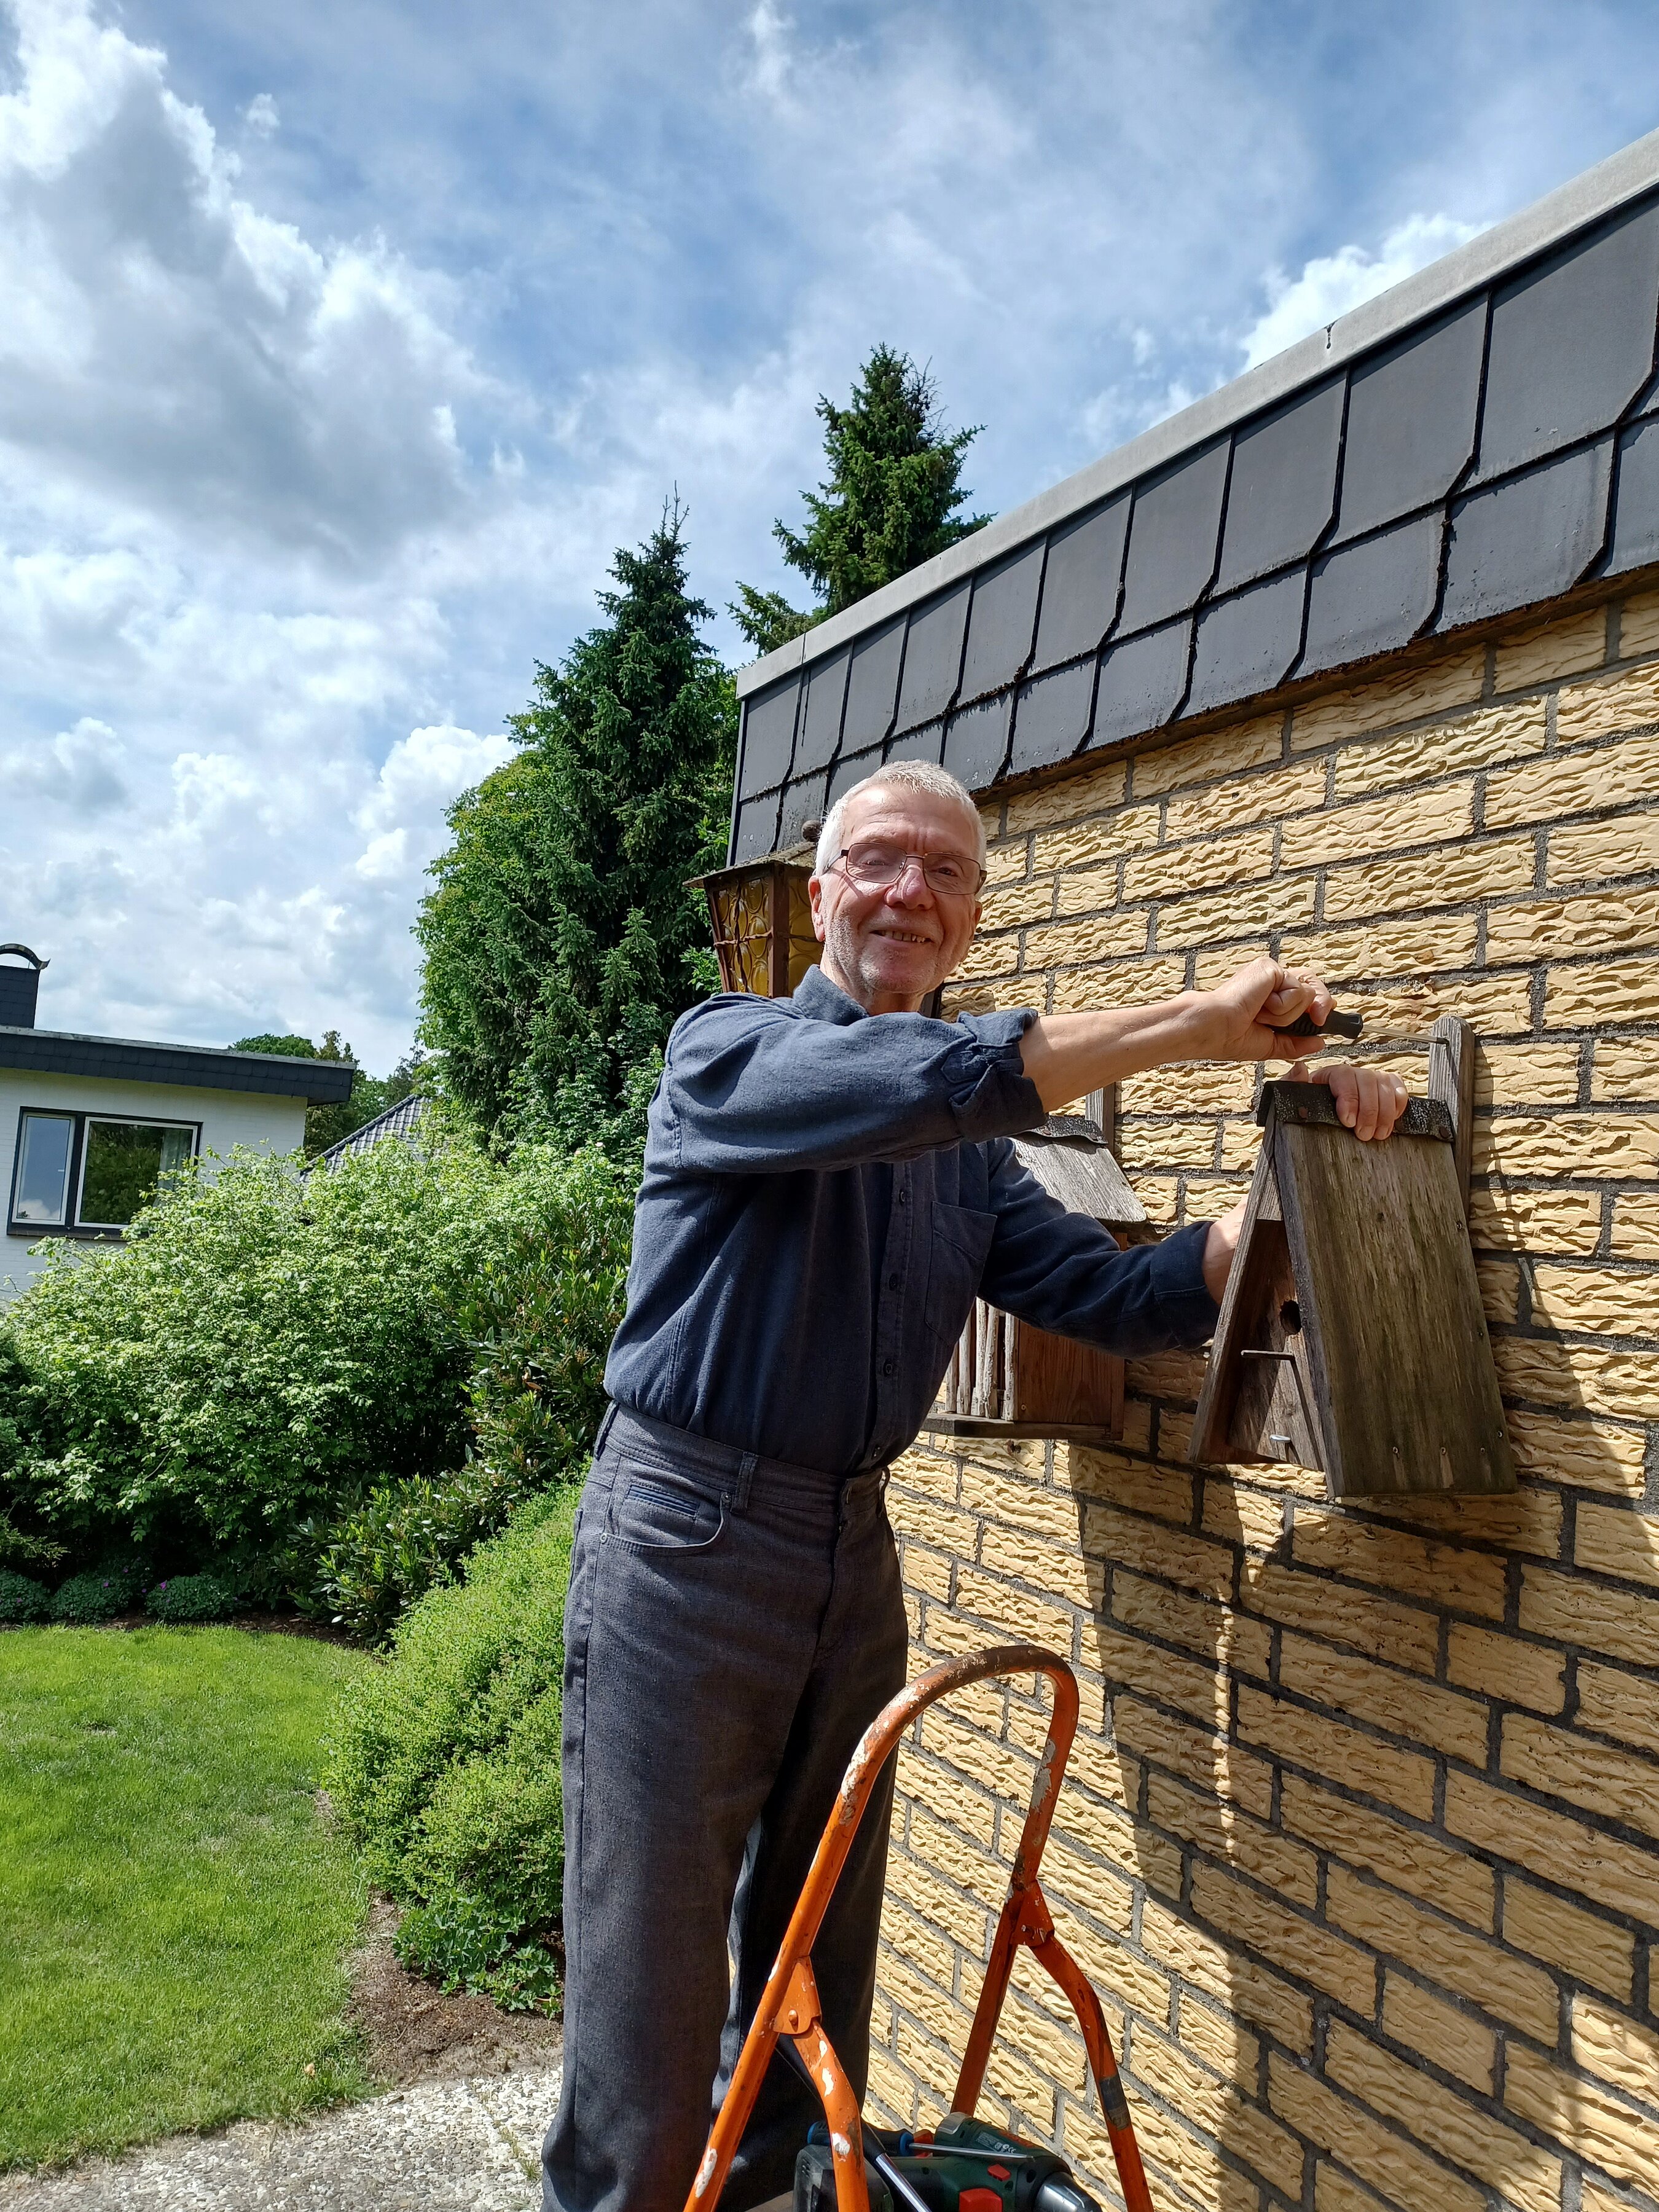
(1478,440)
(191,1066)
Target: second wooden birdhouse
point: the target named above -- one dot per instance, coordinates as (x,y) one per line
(1008,1378)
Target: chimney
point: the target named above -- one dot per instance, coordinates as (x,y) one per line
(19,987)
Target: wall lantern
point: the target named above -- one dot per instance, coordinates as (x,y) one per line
(1009,1378)
(763,925)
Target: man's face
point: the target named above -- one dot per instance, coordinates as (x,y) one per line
(889,948)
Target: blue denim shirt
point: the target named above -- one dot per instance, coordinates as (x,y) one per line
(826,1193)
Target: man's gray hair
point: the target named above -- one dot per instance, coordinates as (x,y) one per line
(908,776)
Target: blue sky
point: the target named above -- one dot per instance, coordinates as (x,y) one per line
(342,346)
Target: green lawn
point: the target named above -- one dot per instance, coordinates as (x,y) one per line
(173,1914)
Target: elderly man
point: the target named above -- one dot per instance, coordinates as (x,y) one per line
(828,1185)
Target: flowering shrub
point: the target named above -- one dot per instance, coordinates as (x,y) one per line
(23,1599)
(88,1598)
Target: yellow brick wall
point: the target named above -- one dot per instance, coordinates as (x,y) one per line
(1360,1839)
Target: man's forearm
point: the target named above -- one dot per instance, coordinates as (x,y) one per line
(1067,1056)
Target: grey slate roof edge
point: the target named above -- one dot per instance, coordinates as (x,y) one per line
(192,1067)
(1598,192)
(401,1119)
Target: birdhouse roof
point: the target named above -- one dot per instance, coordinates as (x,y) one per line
(1071,1159)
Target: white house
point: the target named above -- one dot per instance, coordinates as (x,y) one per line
(89,1124)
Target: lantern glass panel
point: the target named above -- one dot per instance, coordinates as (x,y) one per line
(804,950)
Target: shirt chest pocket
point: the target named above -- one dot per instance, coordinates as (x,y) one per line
(961,1246)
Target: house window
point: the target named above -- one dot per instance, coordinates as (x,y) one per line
(88,1172)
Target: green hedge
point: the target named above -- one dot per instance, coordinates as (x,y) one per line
(444,1766)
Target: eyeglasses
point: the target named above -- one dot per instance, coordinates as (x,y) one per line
(877,868)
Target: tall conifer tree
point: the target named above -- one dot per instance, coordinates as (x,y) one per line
(888,503)
(561,942)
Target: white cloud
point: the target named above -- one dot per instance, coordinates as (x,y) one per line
(1333,283)
(261,117)
(78,769)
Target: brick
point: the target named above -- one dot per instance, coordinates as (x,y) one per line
(1638,625)
(1584,1948)
(1565,784)
(932,1472)
(1084,844)
(1525,1075)
(1125,1661)
(1019,903)
(1596,852)
(1615,2050)
(1240,1142)
(1358,1762)
(1521,2172)
(931,2062)
(1360,832)
(1111,1478)
(1620,702)
(1497,733)
(1429,1869)
(1613,1143)
(1044,1512)
(1268,797)
(1430,879)
(924,1520)
(1237,1982)
(1131,984)
(1472,1582)
(1088,1887)
(1528,1520)
(1625,1068)
(1438,2031)
(923,2000)
(1115,1968)
(1508,1988)
(1230,1638)
(1232,1836)
(1535,1220)
(1589,1455)
(1593,2198)
(911,1939)
(930,1571)
(1402,2175)
(1220,2040)
(1282,903)
(1494,1005)
(945,1794)
(1623,1383)
(1500,1290)
(1201,1087)
(1564,648)
(1215,2107)
(1235,858)
(1554,1846)
(892,2092)
(1503,1667)
(1202,760)
(958,1859)
(1174,1554)
(1602,2129)
(1067,944)
(1602,921)
(1236,1515)
(1335,2192)
(1293,1944)
(1210,1761)
(1613,1703)
(1097,1766)
(1400,1704)
(1377,1627)
(1610,1540)
(1090,792)
(1406,696)
(1086,890)
(1007,863)
(1009,2076)
(1603,992)
(1400,948)
(1617,1784)
(1625,1623)
(1008,1609)
(1620,1302)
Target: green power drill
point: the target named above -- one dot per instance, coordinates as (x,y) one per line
(965,2166)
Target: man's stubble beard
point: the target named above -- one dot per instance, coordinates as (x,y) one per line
(842,947)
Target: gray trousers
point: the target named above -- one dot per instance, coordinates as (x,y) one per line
(733,1626)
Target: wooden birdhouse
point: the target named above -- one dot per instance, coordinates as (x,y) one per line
(1351,1337)
(1010,1379)
(763,925)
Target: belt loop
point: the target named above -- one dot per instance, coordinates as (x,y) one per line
(746,1467)
(605,1426)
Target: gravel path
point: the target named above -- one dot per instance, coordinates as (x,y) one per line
(472,2145)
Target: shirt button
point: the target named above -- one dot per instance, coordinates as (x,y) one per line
(901,1196)
(887,1366)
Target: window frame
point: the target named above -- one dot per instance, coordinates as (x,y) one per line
(92,1232)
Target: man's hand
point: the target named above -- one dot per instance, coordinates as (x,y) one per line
(1245,1018)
